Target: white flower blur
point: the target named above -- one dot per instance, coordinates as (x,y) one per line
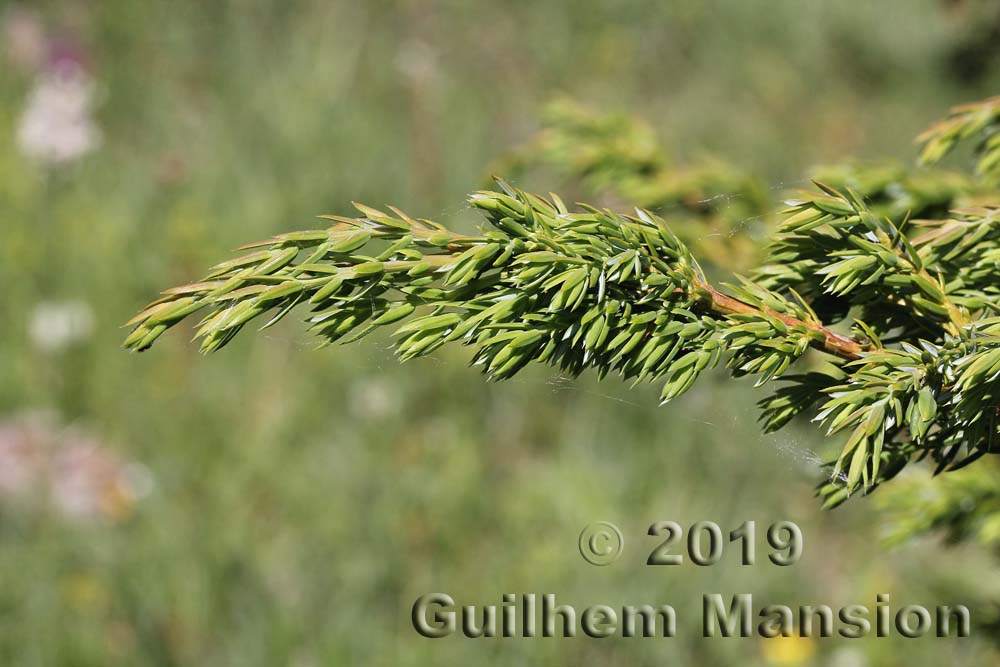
(55,325)
(57,125)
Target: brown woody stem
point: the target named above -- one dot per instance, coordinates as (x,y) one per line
(834,343)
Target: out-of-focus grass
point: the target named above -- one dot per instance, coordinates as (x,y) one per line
(303,500)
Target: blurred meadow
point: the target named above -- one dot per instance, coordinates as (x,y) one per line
(274,505)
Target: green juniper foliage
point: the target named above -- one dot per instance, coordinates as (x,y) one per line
(904,311)
(979,120)
(964,506)
(717,209)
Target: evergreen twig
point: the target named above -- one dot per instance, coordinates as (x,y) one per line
(904,310)
(980,120)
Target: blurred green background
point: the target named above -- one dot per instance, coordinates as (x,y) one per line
(272,505)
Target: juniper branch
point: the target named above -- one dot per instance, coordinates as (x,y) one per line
(904,310)
(979,120)
(576,290)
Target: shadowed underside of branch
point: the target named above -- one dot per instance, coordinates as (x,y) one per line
(902,311)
